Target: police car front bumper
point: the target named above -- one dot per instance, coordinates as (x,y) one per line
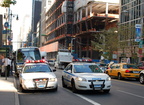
(91,85)
(39,86)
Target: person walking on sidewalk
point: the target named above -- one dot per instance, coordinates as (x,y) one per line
(5,65)
(9,71)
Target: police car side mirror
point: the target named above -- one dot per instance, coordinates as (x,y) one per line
(69,71)
(54,70)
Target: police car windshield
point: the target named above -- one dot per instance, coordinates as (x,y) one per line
(36,68)
(87,69)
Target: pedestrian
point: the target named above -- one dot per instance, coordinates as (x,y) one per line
(1,63)
(128,60)
(5,65)
(9,71)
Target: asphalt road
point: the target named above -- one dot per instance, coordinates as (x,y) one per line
(123,92)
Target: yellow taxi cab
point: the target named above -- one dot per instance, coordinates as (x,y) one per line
(124,70)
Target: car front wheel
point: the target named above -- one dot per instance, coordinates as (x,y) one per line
(74,90)
(119,76)
(106,91)
(141,79)
(63,83)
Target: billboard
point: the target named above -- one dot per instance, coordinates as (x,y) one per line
(138,32)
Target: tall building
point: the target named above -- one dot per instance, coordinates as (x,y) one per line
(131,37)
(43,25)
(36,15)
(73,22)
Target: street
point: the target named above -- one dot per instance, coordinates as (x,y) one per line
(123,92)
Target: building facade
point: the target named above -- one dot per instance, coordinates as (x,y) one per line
(36,16)
(131,22)
(72,23)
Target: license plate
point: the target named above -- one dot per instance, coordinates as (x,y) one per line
(97,86)
(135,71)
(41,86)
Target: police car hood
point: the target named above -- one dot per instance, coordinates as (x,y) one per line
(92,75)
(38,75)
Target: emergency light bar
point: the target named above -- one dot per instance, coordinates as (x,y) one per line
(35,61)
(82,60)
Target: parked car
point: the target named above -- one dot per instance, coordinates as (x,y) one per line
(141,65)
(51,62)
(85,76)
(124,70)
(102,66)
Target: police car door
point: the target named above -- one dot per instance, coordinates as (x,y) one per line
(68,74)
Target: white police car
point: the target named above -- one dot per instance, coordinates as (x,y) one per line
(37,75)
(85,76)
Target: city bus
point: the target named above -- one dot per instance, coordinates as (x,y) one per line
(23,54)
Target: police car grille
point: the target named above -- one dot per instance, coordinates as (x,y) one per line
(95,80)
(41,82)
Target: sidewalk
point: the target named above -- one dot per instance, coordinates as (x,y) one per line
(8,92)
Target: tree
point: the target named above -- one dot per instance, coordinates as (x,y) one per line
(6,3)
(106,42)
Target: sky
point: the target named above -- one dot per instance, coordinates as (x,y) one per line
(20,28)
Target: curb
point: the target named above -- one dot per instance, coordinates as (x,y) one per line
(16,93)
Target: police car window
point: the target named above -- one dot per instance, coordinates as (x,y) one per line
(87,69)
(69,67)
(36,68)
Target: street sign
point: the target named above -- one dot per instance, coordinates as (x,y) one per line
(6,24)
(5,31)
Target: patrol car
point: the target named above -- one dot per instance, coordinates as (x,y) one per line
(85,76)
(37,75)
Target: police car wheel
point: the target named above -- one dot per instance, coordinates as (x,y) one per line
(63,83)
(21,89)
(55,89)
(106,91)
(74,90)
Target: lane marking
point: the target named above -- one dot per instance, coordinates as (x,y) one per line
(131,94)
(128,82)
(87,99)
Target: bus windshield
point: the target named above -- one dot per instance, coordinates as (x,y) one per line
(28,54)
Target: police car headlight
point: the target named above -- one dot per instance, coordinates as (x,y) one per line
(52,79)
(28,82)
(80,79)
(108,79)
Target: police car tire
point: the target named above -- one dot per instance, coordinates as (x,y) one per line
(21,89)
(74,90)
(55,89)
(63,83)
(106,91)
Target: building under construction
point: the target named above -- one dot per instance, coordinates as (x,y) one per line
(70,24)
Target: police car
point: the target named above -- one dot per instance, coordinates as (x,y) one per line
(37,75)
(85,76)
